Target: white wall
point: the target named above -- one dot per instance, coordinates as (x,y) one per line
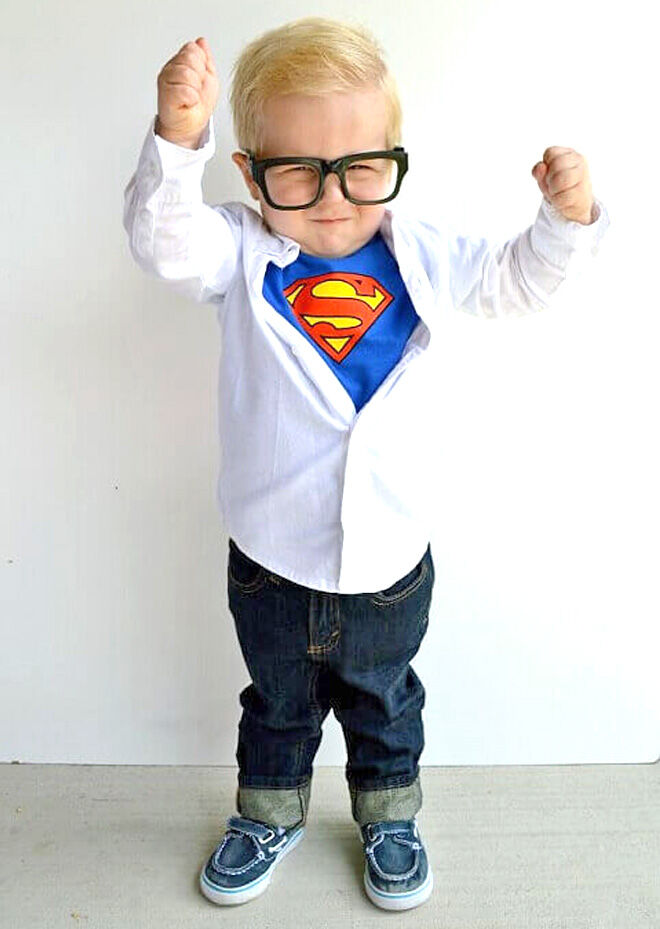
(117,642)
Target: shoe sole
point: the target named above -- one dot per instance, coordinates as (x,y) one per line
(402,901)
(232,897)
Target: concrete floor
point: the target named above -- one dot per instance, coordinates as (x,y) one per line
(557,847)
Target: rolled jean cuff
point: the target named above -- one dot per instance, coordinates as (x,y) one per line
(276,806)
(386,804)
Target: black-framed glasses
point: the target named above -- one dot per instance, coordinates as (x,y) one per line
(293,183)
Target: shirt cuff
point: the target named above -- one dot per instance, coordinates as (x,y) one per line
(174,156)
(578,236)
(172,171)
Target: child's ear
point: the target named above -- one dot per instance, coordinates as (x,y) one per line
(241,159)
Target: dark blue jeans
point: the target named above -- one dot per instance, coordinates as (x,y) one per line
(307,652)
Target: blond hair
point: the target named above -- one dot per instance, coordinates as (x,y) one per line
(310,56)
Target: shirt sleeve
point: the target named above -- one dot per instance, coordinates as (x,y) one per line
(521,276)
(172,233)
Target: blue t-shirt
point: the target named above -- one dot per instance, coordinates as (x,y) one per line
(355,311)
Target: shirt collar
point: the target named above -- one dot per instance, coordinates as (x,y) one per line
(282,250)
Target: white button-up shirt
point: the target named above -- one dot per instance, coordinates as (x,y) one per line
(324,496)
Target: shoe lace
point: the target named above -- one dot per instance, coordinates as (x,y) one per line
(400,834)
(259,833)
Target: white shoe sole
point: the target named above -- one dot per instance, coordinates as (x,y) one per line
(249,891)
(402,901)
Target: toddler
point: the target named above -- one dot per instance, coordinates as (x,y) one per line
(330,307)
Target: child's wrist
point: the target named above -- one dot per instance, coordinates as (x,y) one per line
(191,142)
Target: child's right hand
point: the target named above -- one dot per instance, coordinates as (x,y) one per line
(188,90)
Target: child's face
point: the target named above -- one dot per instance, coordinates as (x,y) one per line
(328,127)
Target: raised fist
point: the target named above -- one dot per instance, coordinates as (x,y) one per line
(188,90)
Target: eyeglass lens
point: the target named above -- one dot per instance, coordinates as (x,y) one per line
(372,179)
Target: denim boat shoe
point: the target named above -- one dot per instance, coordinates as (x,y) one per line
(397,874)
(242,865)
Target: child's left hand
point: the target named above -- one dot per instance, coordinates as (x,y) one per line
(563,177)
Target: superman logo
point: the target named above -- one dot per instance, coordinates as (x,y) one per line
(337,309)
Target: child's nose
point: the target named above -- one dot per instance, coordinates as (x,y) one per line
(332,188)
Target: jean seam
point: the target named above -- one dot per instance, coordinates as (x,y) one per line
(298,785)
(314,704)
(401,781)
(402,594)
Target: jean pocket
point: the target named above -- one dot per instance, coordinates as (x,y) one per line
(405,586)
(244,574)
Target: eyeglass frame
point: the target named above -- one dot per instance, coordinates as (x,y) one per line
(338,166)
